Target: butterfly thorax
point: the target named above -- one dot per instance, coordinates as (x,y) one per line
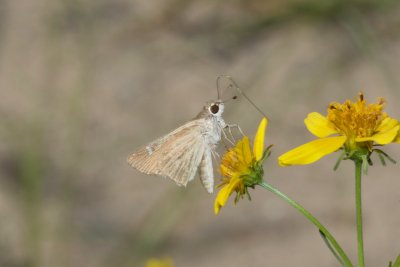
(213,122)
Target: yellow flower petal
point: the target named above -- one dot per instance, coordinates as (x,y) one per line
(246,150)
(221,199)
(387,124)
(397,139)
(319,125)
(381,138)
(225,171)
(312,151)
(237,153)
(258,148)
(224,194)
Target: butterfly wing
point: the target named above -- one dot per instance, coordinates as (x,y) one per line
(176,155)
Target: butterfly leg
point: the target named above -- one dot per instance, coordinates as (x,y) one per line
(230,126)
(237,127)
(215,155)
(226,145)
(227,138)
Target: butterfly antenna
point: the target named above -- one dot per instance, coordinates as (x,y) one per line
(217,84)
(240,92)
(219,89)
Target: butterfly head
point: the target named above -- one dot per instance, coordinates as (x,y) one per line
(215,108)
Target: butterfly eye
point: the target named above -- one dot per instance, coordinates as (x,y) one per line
(214,109)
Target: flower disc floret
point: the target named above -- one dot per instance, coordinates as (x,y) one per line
(357,121)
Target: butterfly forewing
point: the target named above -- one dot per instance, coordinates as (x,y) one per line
(176,155)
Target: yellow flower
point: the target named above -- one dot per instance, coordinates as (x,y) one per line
(241,168)
(159,263)
(357,127)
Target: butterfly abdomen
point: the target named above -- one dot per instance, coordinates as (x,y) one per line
(206,172)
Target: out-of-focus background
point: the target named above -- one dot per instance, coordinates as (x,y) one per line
(83,83)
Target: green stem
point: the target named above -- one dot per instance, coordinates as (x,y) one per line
(360,243)
(346,261)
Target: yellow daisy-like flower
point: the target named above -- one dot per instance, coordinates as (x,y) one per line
(159,263)
(242,168)
(357,127)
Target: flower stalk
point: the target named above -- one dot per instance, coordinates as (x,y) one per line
(359,222)
(343,258)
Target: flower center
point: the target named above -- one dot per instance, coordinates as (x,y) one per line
(356,119)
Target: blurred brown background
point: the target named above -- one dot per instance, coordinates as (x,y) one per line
(83,83)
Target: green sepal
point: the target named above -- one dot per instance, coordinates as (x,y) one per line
(339,160)
(382,155)
(266,154)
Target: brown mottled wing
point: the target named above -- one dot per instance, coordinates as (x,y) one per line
(176,155)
